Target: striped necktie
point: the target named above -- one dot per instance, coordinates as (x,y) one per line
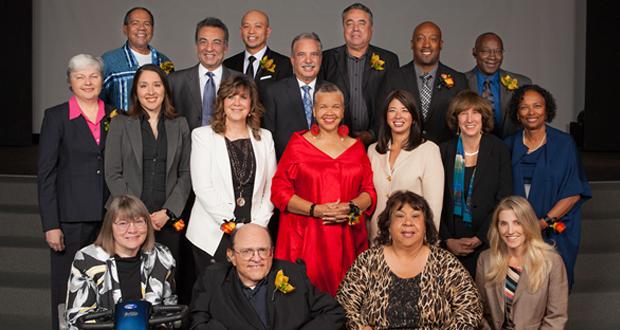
(425,94)
(208,97)
(307,104)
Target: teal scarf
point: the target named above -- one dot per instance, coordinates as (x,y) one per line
(462,207)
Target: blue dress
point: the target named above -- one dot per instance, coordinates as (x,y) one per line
(558,174)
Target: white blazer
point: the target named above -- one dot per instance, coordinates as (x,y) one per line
(213,185)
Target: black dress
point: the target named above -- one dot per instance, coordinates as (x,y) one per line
(402,311)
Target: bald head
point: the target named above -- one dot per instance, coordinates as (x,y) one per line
(426,43)
(488,36)
(255,30)
(251,234)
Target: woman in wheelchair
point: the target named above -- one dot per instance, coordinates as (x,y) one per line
(125,263)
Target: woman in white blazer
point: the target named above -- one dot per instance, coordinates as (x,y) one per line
(231,164)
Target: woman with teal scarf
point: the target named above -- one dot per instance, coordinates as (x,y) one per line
(477,176)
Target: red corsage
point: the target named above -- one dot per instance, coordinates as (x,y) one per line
(343,130)
(559,227)
(228,226)
(314,129)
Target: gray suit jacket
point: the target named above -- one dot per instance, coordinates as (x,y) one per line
(123,160)
(185,86)
(547,308)
(509,127)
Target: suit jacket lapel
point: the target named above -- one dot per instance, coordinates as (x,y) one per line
(232,284)
(134,131)
(260,70)
(436,91)
(172,135)
(258,157)
(194,88)
(472,79)
(484,153)
(223,164)
(521,286)
(294,93)
(272,303)
(367,69)
(411,83)
(103,133)
(504,99)
(341,60)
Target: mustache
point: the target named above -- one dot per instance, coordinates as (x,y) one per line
(308,65)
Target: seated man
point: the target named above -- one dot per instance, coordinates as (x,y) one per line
(243,295)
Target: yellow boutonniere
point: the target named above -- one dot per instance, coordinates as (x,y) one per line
(282,284)
(376,62)
(267,64)
(167,66)
(106,121)
(510,82)
(447,80)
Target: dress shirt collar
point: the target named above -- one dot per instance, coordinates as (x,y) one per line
(419,72)
(311,84)
(217,73)
(75,110)
(258,55)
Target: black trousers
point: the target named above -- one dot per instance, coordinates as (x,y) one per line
(203,260)
(76,236)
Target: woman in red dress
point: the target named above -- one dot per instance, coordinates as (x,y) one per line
(323,188)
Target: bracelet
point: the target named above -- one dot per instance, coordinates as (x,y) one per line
(550,220)
(354,214)
(311,212)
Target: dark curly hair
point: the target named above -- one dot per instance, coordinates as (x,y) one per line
(517,97)
(234,85)
(396,202)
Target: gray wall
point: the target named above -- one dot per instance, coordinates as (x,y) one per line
(544,39)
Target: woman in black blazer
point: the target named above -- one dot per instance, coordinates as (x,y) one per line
(70,174)
(478,175)
(147,155)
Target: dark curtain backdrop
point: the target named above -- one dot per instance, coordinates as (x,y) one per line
(602,115)
(16,67)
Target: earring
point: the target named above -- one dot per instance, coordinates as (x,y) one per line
(343,130)
(314,129)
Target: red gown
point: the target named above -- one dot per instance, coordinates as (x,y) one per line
(306,171)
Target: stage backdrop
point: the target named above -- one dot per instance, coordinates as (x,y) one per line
(544,40)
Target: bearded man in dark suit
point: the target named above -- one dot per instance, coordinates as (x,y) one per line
(358,69)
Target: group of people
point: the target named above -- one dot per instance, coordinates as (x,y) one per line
(329,188)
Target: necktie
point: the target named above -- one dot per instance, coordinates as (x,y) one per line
(487,94)
(208,97)
(307,104)
(425,93)
(250,69)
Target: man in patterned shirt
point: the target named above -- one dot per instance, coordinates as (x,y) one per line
(121,64)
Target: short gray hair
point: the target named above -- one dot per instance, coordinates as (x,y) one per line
(81,61)
(306,35)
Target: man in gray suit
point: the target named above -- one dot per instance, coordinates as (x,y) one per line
(493,83)
(194,89)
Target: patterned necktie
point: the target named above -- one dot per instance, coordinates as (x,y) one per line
(208,97)
(487,94)
(425,94)
(250,69)
(307,104)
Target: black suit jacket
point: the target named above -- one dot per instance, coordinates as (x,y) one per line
(263,77)
(70,172)
(219,303)
(185,86)
(284,111)
(434,127)
(492,182)
(334,69)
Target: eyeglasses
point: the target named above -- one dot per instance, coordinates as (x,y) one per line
(486,52)
(123,224)
(247,254)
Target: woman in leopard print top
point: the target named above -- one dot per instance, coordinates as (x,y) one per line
(406,281)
